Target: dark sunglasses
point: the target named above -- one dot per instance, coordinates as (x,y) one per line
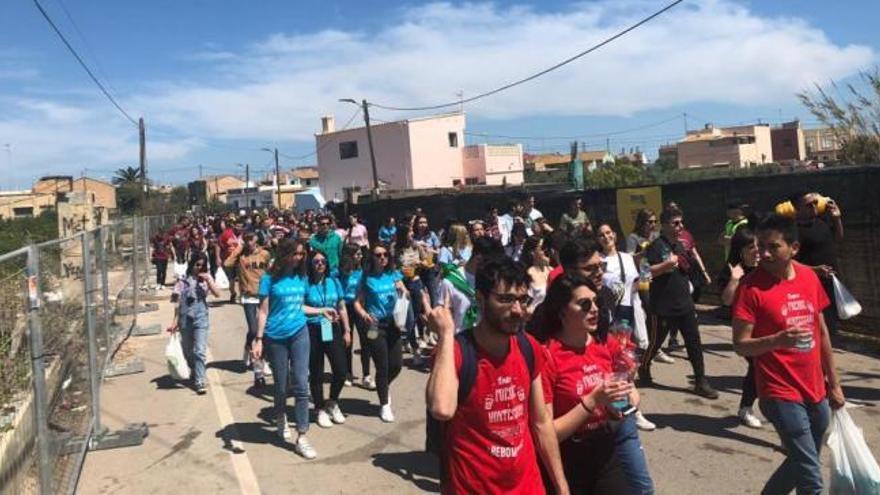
(586,304)
(319,261)
(380,255)
(676,223)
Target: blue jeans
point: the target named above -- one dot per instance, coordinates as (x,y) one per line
(194,330)
(250,317)
(631,456)
(289,357)
(801,427)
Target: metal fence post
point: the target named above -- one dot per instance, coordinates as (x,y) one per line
(105,290)
(38,372)
(88,288)
(135,279)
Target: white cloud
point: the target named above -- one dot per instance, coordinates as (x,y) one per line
(713,51)
(277,88)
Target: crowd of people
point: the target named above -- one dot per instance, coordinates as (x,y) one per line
(538,334)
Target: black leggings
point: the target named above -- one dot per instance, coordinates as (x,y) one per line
(658,329)
(355,321)
(161,268)
(388,357)
(592,467)
(335,352)
(750,392)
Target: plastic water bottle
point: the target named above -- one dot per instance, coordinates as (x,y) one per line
(644,275)
(623,364)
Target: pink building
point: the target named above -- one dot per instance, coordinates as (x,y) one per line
(418,153)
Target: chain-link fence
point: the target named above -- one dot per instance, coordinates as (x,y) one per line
(66,307)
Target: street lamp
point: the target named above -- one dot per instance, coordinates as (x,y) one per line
(277,176)
(366,108)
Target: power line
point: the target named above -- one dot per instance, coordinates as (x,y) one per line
(83,64)
(85,41)
(329,141)
(581,136)
(536,75)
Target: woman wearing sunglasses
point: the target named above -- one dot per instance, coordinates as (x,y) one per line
(378,295)
(328,337)
(591,405)
(191,315)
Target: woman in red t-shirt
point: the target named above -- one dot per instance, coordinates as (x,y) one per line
(580,357)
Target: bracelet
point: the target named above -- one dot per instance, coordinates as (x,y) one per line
(584,405)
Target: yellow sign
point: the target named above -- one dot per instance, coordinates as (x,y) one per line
(630,201)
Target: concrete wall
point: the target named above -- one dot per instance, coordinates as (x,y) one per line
(855,188)
(391,147)
(474,163)
(434,162)
(788,144)
(504,164)
(104,194)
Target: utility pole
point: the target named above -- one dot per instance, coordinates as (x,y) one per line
(247,185)
(277,180)
(142,138)
(370,145)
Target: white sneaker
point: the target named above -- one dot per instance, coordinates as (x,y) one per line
(664,358)
(385,414)
(368,383)
(304,448)
(281,427)
(267,370)
(748,418)
(324,419)
(643,423)
(335,413)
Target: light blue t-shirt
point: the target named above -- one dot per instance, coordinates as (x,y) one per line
(380,293)
(351,283)
(386,234)
(447,255)
(325,294)
(286,296)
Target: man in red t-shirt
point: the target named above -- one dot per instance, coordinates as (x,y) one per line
(490,439)
(777,319)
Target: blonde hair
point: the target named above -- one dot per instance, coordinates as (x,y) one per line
(459,238)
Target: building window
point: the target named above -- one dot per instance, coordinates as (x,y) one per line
(470,181)
(453,139)
(456,182)
(348,149)
(25,211)
(827,142)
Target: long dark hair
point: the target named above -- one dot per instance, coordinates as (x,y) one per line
(559,294)
(642,218)
(528,250)
(371,265)
(313,274)
(402,242)
(284,256)
(196,256)
(347,264)
(519,229)
(742,238)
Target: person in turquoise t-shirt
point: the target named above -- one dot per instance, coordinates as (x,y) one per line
(327,338)
(351,275)
(377,296)
(281,320)
(328,242)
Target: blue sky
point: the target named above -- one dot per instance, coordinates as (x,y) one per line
(218,80)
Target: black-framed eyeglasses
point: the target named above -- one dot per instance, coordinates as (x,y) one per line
(319,261)
(676,223)
(324,224)
(380,255)
(586,304)
(509,299)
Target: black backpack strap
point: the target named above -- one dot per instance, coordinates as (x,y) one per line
(527,351)
(467,373)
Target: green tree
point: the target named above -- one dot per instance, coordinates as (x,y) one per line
(615,176)
(126,175)
(854,116)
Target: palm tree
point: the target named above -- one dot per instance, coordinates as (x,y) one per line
(126,176)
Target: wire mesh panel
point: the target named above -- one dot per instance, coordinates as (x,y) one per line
(119,252)
(65,270)
(17,466)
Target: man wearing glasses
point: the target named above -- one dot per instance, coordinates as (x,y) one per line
(671,305)
(327,242)
(487,439)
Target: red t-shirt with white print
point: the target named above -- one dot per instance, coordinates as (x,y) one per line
(572,373)
(489,440)
(772,305)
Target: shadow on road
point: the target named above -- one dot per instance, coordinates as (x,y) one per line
(709,426)
(166,382)
(250,433)
(359,407)
(417,467)
(231,365)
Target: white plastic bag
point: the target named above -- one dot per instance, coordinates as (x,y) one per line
(847,306)
(179,270)
(177,366)
(401,307)
(854,470)
(220,279)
